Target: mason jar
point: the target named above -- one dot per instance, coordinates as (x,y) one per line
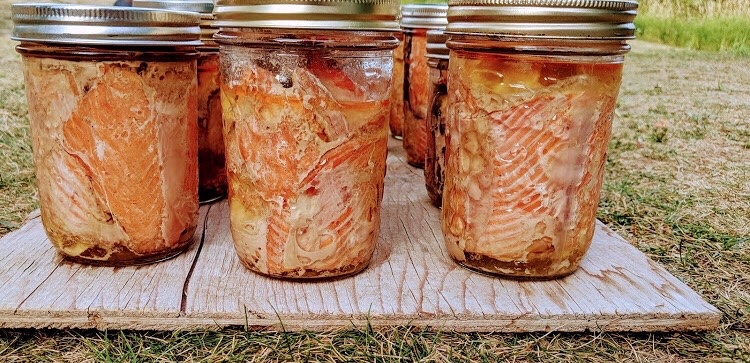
(434,162)
(397,90)
(212,174)
(416,19)
(112,107)
(305,91)
(532,91)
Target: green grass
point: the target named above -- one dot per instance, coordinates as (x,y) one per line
(730,34)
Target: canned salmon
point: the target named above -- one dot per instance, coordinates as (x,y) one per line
(532,92)
(306,101)
(416,19)
(112,106)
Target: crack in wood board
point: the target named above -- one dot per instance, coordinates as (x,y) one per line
(185,285)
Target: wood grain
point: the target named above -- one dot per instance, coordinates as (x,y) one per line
(49,291)
(411,280)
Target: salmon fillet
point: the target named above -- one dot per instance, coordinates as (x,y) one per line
(525,159)
(115,149)
(416,95)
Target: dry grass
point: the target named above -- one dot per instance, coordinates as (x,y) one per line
(17,193)
(677,186)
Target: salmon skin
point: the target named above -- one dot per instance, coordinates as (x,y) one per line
(416,96)
(115,152)
(527,141)
(212,173)
(306,141)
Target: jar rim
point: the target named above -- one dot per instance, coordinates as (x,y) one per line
(307,39)
(103,25)
(424,16)
(544,19)
(539,46)
(203,7)
(378,15)
(436,47)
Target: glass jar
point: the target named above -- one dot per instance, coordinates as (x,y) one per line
(434,163)
(306,127)
(113,124)
(415,21)
(212,174)
(397,90)
(533,88)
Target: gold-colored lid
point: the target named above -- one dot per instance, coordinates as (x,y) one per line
(357,15)
(564,19)
(203,7)
(102,25)
(436,47)
(424,16)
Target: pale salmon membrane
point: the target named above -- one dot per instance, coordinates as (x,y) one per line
(526,146)
(115,151)
(306,149)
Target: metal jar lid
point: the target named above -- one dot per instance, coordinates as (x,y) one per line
(196,6)
(550,19)
(101,25)
(203,7)
(424,16)
(436,47)
(355,15)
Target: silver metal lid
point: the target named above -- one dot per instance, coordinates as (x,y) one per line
(424,16)
(196,6)
(373,15)
(100,25)
(203,7)
(436,47)
(562,19)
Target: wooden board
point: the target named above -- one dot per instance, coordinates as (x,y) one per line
(411,280)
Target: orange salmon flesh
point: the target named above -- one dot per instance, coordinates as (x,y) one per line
(115,151)
(416,97)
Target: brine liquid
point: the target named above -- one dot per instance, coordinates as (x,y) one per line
(524,160)
(306,137)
